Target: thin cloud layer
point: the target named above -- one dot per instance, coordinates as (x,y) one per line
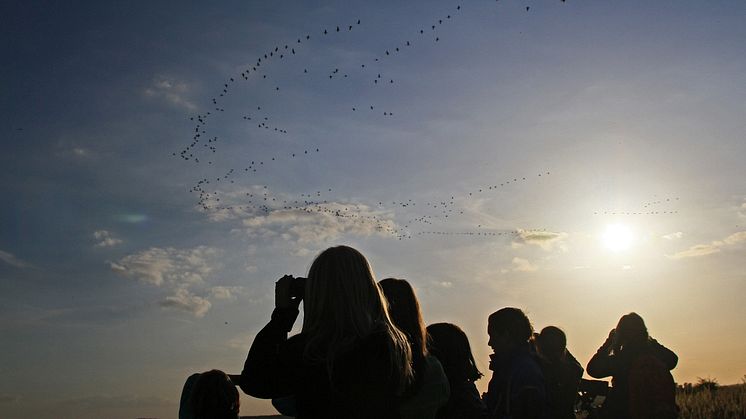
(177,270)
(13,261)
(674,236)
(308,227)
(226,293)
(159,266)
(184,300)
(173,92)
(303,223)
(711,248)
(523,265)
(547,240)
(105,239)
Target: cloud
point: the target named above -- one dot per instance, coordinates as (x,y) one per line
(171,91)
(12,260)
(105,239)
(523,265)
(184,300)
(302,223)
(674,236)
(742,212)
(547,240)
(159,266)
(711,248)
(177,270)
(226,293)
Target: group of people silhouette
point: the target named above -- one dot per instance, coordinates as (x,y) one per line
(364,352)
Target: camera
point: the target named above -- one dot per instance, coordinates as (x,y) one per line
(298,288)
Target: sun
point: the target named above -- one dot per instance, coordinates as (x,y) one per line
(617,237)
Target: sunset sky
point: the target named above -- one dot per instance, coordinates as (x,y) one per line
(590,158)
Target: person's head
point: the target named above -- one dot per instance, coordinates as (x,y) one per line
(404,310)
(343,304)
(551,343)
(449,344)
(631,330)
(214,396)
(508,328)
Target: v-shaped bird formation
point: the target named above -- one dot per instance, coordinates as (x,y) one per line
(444,217)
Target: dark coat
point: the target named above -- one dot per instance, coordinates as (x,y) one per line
(562,378)
(464,403)
(517,388)
(361,384)
(618,365)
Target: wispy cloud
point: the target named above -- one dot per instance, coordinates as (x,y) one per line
(304,223)
(674,236)
(226,293)
(523,265)
(711,248)
(177,267)
(172,91)
(14,261)
(184,300)
(177,270)
(105,239)
(547,240)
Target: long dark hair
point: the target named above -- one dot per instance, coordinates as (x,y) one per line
(342,305)
(404,310)
(449,344)
(407,317)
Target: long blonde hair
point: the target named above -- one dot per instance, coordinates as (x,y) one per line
(343,304)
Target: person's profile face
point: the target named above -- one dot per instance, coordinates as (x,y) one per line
(498,341)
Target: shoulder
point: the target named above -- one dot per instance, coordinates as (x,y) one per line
(526,371)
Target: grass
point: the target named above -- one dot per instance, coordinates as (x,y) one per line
(722,402)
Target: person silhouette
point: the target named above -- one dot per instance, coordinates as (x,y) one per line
(516,389)
(430,389)
(630,356)
(348,361)
(562,372)
(449,344)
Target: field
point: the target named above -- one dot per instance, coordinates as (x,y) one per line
(725,402)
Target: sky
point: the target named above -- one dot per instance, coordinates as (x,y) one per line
(579,160)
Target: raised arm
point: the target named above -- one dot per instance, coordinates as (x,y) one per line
(603,364)
(664,354)
(273,363)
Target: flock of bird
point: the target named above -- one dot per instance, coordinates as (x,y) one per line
(203,147)
(655,207)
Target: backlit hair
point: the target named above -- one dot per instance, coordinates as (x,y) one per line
(404,309)
(450,345)
(342,305)
(551,342)
(512,322)
(631,330)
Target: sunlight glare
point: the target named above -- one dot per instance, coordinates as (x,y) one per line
(617,237)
